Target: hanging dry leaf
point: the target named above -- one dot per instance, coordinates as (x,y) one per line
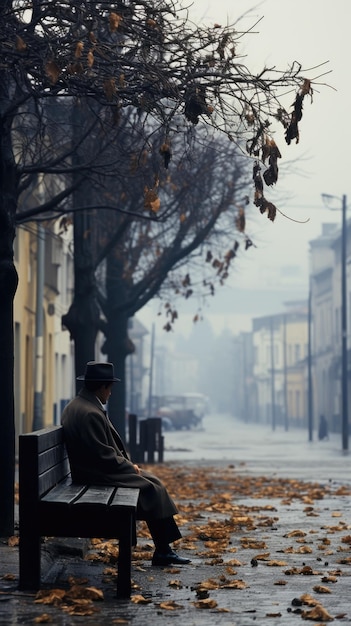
(52,71)
(110,88)
(114,21)
(240,220)
(151,200)
(21,46)
(166,152)
(90,58)
(79,49)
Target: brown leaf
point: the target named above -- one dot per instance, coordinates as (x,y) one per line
(151,200)
(176,584)
(21,46)
(234,584)
(139,599)
(321,589)
(317,613)
(170,605)
(13,541)
(44,618)
(52,71)
(240,220)
(110,88)
(79,49)
(50,596)
(90,58)
(114,21)
(207,603)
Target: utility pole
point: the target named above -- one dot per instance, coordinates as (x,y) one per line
(310,388)
(345,417)
(152,353)
(272,374)
(344,364)
(286,414)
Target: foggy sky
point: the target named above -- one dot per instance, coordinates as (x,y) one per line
(310,32)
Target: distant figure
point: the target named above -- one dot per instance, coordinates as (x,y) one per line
(323,428)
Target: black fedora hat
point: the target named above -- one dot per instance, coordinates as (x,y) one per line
(96,371)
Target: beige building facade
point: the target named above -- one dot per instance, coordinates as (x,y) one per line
(43,354)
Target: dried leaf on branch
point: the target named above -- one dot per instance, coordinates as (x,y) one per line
(292,132)
(151,200)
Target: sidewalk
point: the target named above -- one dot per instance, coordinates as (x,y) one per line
(260,538)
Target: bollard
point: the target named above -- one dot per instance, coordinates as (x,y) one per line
(132,442)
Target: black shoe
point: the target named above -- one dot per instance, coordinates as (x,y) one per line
(170,558)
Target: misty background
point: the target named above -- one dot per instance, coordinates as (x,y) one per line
(276,269)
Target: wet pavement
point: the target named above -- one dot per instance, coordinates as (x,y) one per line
(287,539)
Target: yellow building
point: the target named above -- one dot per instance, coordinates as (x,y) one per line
(42,364)
(280,345)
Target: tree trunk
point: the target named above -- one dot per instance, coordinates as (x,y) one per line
(8,286)
(117,345)
(116,341)
(82,319)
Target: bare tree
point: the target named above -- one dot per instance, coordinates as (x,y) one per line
(140,54)
(187,249)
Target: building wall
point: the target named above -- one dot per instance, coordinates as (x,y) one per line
(52,382)
(280,350)
(24,328)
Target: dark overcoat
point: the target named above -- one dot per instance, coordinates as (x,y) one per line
(97,456)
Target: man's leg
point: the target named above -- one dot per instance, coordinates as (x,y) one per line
(163,532)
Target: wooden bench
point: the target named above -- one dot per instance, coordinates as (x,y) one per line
(50,505)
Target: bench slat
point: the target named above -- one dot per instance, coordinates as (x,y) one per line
(99,495)
(51,457)
(125,497)
(64,493)
(52,477)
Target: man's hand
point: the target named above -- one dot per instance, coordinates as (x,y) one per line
(137,468)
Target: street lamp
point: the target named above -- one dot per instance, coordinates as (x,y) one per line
(344,374)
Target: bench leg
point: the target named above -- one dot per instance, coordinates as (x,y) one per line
(29,561)
(124,565)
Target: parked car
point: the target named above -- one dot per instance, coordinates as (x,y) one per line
(182,411)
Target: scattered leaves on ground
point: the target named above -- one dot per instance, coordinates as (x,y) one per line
(223,513)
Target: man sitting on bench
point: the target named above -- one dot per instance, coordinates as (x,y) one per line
(97,455)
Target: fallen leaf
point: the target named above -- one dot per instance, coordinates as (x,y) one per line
(317,613)
(139,599)
(175,583)
(207,603)
(321,589)
(170,605)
